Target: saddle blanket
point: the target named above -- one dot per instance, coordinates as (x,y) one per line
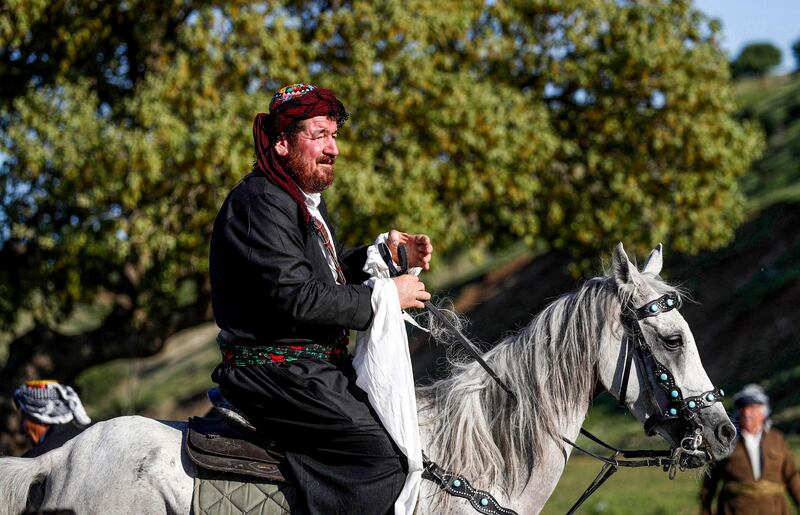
(231,497)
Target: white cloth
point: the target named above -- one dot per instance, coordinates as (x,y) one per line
(312,203)
(383,368)
(753,445)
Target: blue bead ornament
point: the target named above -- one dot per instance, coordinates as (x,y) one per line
(484,502)
(710,397)
(670,302)
(654,308)
(673,411)
(457,483)
(692,404)
(663,376)
(722,392)
(674,394)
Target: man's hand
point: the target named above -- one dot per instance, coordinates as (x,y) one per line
(418,247)
(411,291)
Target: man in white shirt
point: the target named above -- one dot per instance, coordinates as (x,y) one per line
(761,468)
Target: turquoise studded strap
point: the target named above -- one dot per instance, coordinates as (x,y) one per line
(459,486)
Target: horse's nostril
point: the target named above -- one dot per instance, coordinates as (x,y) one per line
(726,432)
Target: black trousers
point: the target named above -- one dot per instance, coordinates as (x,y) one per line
(339,453)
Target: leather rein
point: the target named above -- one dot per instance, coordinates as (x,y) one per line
(658,378)
(452,483)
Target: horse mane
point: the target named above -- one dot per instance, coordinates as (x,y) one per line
(550,365)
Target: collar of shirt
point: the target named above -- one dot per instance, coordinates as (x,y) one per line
(753,437)
(752,444)
(312,201)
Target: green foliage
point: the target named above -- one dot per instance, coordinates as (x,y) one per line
(756,59)
(796,54)
(567,124)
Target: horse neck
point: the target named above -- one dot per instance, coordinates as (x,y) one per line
(471,427)
(548,471)
(529,497)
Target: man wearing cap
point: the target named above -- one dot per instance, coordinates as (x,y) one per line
(761,469)
(286,294)
(51,413)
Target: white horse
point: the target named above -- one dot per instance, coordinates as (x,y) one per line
(469,424)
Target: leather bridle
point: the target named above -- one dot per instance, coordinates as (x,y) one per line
(657,377)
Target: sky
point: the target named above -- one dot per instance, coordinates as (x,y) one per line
(748,21)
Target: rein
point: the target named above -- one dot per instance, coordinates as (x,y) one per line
(658,376)
(634,459)
(394,271)
(452,483)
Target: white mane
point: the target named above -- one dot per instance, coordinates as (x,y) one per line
(550,365)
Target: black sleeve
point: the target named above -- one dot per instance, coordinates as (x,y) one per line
(276,248)
(352,260)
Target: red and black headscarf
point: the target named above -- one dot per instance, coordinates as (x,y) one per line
(289,105)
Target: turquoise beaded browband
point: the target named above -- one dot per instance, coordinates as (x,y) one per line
(680,406)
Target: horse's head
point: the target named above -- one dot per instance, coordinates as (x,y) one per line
(650,362)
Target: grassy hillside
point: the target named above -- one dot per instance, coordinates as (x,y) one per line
(774,102)
(169,385)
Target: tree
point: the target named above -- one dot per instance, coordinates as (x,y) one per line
(755,60)
(796,54)
(566,124)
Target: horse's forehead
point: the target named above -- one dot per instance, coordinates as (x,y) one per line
(669,321)
(644,294)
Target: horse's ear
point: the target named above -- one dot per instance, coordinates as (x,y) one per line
(654,261)
(622,267)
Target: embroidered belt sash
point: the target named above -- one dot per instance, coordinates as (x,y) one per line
(283,352)
(758,489)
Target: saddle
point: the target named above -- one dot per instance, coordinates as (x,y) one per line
(225,442)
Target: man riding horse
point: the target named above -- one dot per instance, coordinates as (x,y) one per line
(285,295)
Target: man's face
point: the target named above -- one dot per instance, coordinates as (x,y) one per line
(311,154)
(752,418)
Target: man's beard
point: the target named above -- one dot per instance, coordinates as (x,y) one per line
(308,175)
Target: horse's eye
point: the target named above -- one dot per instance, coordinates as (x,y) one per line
(673,342)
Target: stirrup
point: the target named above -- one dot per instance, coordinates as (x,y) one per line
(228,411)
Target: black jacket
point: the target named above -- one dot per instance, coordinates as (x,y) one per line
(269,277)
(56,436)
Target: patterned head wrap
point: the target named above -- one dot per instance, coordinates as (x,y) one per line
(751,394)
(291,104)
(49,402)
